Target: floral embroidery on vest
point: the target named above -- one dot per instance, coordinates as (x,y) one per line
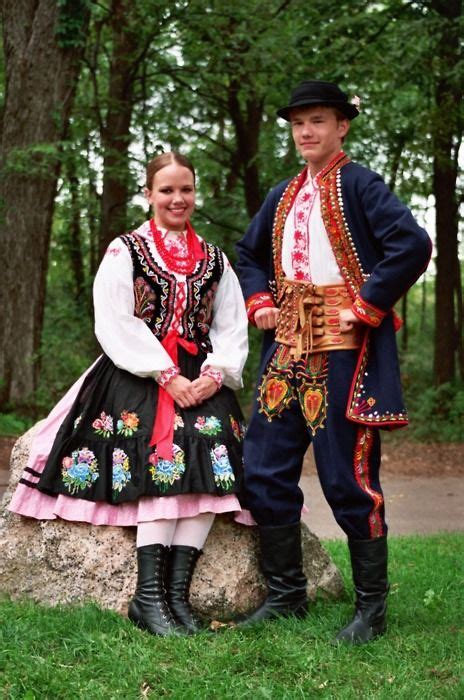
(144,299)
(155,291)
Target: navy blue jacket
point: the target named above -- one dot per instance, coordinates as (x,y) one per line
(381,251)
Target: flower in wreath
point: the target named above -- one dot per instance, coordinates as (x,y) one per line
(80,470)
(128,424)
(104,425)
(222,468)
(209,425)
(178,421)
(121,470)
(165,472)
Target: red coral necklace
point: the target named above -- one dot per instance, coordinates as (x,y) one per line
(183,265)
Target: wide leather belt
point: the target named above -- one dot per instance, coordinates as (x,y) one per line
(308,320)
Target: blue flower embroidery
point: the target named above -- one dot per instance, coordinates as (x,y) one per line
(121,470)
(222,468)
(165,472)
(209,425)
(80,470)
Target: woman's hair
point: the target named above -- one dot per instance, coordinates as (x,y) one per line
(162,161)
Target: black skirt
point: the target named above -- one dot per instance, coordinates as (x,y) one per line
(101,451)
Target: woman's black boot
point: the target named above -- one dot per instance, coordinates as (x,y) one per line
(369,559)
(148,608)
(282,565)
(179,571)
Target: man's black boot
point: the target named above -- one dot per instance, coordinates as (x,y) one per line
(179,571)
(282,565)
(148,608)
(369,563)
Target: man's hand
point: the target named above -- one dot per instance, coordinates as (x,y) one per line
(347,319)
(182,391)
(204,387)
(266,318)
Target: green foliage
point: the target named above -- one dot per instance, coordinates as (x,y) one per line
(68,345)
(84,652)
(38,160)
(12,424)
(72,23)
(199,58)
(439,413)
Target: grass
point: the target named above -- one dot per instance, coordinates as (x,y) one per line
(82,652)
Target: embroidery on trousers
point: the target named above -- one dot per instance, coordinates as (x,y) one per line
(362,452)
(275,391)
(311,375)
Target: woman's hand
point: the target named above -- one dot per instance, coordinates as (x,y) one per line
(347,319)
(204,387)
(182,391)
(266,318)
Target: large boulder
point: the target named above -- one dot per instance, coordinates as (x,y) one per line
(57,561)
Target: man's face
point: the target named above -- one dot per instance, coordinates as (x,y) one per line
(318,134)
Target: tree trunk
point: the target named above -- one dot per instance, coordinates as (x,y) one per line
(75,238)
(116,132)
(448,96)
(247,129)
(43,43)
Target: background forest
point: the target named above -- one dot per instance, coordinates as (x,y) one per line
(90,91)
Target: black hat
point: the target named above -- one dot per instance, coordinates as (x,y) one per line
(319,92)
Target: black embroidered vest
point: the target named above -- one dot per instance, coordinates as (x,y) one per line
(154,291)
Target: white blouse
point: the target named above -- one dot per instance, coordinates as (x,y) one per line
(322,266)
(131,345)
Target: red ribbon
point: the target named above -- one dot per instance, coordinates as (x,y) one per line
(194,243)
(163,427)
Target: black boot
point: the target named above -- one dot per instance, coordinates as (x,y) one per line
(148,608)
(369,564)
(282,565)
(179,571)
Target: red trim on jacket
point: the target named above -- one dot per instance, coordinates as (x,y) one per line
(367,313)
(260,300)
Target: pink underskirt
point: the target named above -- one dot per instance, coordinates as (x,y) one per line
(31,503)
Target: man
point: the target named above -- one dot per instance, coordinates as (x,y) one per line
(322,265)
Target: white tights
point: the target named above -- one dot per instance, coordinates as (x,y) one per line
(191,532)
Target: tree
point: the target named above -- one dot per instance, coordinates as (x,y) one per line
(43,43)
(447,138)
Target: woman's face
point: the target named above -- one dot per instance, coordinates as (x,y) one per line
(172,196)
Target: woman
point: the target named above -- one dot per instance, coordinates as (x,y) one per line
(152,433)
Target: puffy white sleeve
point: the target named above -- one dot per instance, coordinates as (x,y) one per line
(126,339)
(229,330)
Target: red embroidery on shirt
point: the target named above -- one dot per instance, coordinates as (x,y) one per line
(113,251)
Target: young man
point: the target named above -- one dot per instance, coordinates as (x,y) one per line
(322,265)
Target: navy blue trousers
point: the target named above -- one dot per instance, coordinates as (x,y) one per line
(347,458)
